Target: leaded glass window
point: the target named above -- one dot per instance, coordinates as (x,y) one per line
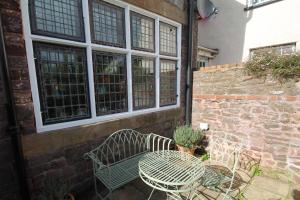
(110,83)
(57,18)
(143,82)
(167,39)
(62,78)
(142,32)
(107,24)
(168,82)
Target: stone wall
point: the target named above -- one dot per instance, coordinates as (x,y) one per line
(264,114)
(60,153)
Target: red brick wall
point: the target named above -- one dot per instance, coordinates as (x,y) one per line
(17,63)
(263,114)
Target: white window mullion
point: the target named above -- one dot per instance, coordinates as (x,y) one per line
(157,62)
(128,59)
(31,65)
(86,18)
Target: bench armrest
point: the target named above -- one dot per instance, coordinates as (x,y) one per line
(93,156)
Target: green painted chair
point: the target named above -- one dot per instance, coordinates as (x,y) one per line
(220,177)
(115,161)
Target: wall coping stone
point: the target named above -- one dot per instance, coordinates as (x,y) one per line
(247,97)
(219,68)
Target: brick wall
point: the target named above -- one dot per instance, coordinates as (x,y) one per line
(9,187)
(264,114)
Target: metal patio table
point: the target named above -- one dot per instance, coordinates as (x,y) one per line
(173,172)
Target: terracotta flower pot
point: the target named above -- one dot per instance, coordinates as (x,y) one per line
(186,150)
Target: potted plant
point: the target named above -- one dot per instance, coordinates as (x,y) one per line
(55,189)
(187,139)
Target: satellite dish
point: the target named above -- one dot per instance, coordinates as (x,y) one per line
(206,9)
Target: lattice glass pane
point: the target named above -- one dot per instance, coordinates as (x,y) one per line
(108,24)
(142,32)
(168,82)
(57,18)
(168,42)
(62,79)
(143,82)
(110,83)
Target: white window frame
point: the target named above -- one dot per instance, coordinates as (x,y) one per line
(30,38)
(258,2)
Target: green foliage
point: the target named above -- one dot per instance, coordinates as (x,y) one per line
(241,196)
(256,171)
(54,189)
(186,136)
(204,157)
(281,67)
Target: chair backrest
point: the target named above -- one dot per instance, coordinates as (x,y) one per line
(157,142)
(223,151)
(121,145)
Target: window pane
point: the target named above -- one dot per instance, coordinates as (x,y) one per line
(142,32)
(110,83)
(143,82)
(168,35)
(168,82)
(57,18)
(108,24)
(62,79)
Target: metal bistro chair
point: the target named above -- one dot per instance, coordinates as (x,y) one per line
(115,161)
(220,177)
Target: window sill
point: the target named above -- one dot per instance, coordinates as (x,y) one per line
(260,5)
(102,119)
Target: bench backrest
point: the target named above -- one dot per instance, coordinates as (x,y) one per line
(127,143)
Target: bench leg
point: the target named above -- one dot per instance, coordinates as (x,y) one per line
(107,196)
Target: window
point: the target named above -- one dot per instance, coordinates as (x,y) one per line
(257,3)
(108,24)
(110,83)
(202,62)
(284,49)
(142,32)
(168,36)
(57,18)
(168,86)
(98,60)
(143,79)
(62,79)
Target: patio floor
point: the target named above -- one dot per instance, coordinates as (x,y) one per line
(270,186)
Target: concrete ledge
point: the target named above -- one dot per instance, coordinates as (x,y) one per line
(246,97)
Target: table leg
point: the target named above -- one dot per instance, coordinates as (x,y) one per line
(151,194)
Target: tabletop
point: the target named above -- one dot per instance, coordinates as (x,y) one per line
(170,170)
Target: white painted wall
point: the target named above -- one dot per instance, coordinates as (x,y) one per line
(234,31)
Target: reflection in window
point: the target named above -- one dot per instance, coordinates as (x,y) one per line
(62,79)
(143,82)
(108,24)
(168,82)
(110,83)
(168,35)
(57,18)
(142,32)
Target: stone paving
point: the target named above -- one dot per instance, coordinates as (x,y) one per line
(269,186)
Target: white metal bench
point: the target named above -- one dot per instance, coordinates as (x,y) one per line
(115,161)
